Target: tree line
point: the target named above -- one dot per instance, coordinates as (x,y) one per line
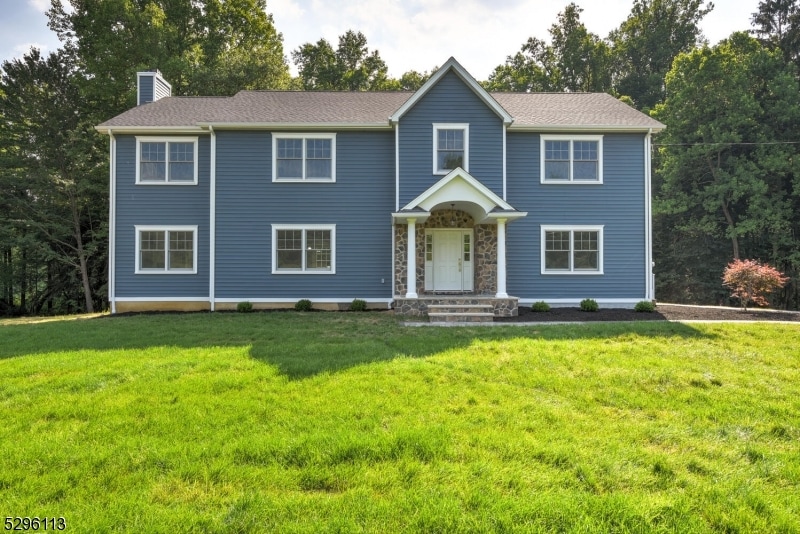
(725,179)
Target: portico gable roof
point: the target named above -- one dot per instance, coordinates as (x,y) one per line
(461,190)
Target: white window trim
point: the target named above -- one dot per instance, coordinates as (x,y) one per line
(158,228)
(304,227)
(167,140)
(304,136)
(572,229)
(449,126)
(571,138)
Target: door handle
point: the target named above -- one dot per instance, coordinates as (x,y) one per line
(459,264)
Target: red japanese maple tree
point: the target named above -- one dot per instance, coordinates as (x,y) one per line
(751,281)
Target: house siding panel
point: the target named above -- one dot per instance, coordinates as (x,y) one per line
(451,100)
(162,90)
(146,89)
(618,204)
(358,203)
(159,205)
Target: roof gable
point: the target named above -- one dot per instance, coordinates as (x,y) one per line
(469,81)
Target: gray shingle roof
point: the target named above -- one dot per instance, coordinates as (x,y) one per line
(530,110)
(572,109)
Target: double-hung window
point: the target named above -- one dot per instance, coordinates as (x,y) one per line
(170,249)
(166,160)
(572,159)
(304,157)
(450,147)
(309,249)
(572,250)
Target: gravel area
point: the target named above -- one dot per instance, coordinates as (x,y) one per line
(664,312)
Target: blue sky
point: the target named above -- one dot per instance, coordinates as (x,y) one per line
(409,34)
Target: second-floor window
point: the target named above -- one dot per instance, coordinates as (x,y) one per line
(572,159)
(304,157)
(450,147)
(166,160)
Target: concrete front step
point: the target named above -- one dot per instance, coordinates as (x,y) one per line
(461,313)
(460,308)
(460,317)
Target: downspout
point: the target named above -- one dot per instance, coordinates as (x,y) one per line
(396,201)
(112,221)
(505,135)
(212,220)
(650,293)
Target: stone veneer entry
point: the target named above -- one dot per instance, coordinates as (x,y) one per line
(485,266)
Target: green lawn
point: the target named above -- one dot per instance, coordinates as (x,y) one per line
(343,422)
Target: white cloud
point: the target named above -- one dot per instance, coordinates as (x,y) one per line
(285,10)
(480,34)
(24,48)
(40,5)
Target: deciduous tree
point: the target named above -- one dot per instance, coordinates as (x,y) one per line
(576,60)
(52,171)
(351,67)
(752,281)
(646,43)
(728,159)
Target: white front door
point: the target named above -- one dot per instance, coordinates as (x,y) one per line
(448,260)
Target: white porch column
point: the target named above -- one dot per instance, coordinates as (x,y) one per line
(411,266)
(501,259)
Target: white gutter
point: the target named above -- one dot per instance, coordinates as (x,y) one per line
(178,130)
(212,220)
(296,125)
(598,128)
(112,221)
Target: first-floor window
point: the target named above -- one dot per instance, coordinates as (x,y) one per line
(303,249)
(572,250)
(166,249)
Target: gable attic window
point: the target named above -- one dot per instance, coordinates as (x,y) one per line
(450,147)
(304,157)
(572,159)
(166,160)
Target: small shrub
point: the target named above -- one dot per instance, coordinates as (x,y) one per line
(750,281)
(645,306)
(589,305)
(540,306)
(244,307)
(303,305)
(358,305)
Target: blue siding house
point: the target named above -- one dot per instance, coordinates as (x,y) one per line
(446,195)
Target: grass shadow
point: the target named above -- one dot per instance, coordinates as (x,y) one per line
(299,345)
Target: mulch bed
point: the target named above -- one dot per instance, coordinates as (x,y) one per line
(664,312)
